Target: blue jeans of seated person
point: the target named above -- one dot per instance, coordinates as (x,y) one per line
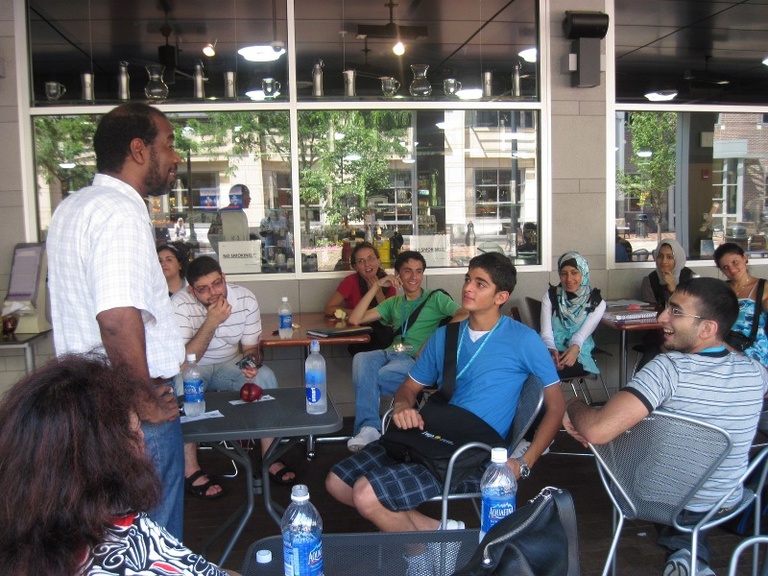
(165,448)
(376,373)
(228,377)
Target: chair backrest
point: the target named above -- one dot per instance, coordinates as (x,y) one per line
(528,406)
(640,255)
(514,312)
(533,309)
(653,469)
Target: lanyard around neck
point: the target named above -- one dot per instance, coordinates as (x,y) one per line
(477,352)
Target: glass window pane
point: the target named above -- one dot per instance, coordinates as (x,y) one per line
(699,177)
(464,46)
(431,179)
(233,184)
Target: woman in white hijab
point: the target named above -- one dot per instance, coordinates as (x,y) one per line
(659,285)
(657,288)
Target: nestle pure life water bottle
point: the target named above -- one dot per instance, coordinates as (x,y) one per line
(285,318)
(302,531)
(194,398)
(314,374)
(499,489)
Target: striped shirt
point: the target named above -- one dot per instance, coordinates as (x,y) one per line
(721,388)
(101,256)
(242,327)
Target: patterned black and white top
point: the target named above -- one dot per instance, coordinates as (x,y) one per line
(138,546)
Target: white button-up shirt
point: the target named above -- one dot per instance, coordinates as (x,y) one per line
(101,255)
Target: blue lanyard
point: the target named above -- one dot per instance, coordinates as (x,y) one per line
(480,349)
(407,316)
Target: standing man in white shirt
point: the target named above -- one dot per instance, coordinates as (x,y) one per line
(107,289)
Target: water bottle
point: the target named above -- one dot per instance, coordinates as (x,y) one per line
(314,375)
(285,317)
(194,397)
(302,530)
(499,489)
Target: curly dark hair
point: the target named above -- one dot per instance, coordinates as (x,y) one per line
(70,462)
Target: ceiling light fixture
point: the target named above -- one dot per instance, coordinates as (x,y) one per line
(661,95)
(470,93)
(210,49)
(529,54)
(263,52)
(765,61)
(398,48)
(392,30)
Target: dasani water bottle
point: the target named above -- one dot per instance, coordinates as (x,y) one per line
(194,397)
(285,318)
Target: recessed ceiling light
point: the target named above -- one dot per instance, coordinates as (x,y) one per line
(263,52)
(661,95)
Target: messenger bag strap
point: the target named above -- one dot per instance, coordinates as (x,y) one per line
(449,361)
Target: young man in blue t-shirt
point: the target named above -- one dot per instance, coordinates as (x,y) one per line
(496,355)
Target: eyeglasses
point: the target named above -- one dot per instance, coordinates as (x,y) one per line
(205,290)
(674,310)
(370,260)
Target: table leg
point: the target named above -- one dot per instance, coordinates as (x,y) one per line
(623,353)
(244,512)
(29,358)
(275,451)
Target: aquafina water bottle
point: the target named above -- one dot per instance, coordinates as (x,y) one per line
(499,491)
(194,397)
(302,531)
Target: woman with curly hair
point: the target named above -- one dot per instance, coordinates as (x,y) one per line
(71,431)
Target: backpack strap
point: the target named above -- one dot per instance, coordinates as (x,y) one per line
(415,314)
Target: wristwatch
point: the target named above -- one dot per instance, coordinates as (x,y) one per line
(524,470)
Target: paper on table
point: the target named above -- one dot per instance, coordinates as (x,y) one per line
(262,399)
(203,416)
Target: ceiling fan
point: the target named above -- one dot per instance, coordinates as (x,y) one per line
(705,76)
(391,30)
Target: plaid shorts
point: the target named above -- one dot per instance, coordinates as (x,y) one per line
(398,485)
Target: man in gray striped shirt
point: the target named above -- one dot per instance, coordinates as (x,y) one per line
(220,323)
(698,378)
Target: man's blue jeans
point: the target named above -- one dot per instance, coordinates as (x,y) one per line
(166,449)
(376,373)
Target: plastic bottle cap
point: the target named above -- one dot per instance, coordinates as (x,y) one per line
(498,455)
(284,299)
(264,556)
(191,358)
(314,346)
(299,492)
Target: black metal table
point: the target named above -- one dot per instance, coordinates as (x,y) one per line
(285,419)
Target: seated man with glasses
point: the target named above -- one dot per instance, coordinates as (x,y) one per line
(220,323)
(698,378)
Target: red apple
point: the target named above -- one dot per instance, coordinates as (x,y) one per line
(250,392)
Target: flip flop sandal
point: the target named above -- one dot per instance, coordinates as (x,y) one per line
(279,476)
(200,490)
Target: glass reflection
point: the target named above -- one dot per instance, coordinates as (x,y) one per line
(699,177)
